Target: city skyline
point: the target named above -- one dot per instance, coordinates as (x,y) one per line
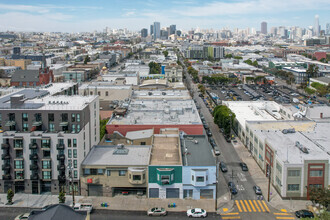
(79,16)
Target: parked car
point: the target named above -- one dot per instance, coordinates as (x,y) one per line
(304,214)
(206,126)
(196,213)
(156,212)
(216,151)
(244,166)
(212,142)
(257,190)
(209,133)
(223,167)
(83,207)
(22,216)
(232,188)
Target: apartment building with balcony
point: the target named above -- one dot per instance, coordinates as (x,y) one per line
(41,135)
(115,169)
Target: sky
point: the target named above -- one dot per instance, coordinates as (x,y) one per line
(86,15)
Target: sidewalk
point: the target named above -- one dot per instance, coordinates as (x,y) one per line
(130,202)
(262,181)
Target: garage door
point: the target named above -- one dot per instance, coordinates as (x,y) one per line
(95,190)
(173,193)
(206,194)
(153,193)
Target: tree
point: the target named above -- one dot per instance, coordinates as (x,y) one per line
(224,118)
(229,56)
(312,71)
(61,197)
(10,196)
(248,62)
(255,63)
(165,52)
(155,68)
(103,130)
(319,195)
(238,57)
(87,59)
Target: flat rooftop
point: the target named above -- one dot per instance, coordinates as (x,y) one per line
(161,112)
(131,155)
(161,94)
(166,148)
(250,110)
(311,135)
(197,151)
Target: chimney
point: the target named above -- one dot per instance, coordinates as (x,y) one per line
(17,100)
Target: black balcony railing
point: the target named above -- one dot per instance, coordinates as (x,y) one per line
(60,146)
(61,178)
(33,156)
(61,157)
(5,156)
(34,177)
(61,167)
(5,146)
(6,177)
(33,146)
(6,167)
(33,167)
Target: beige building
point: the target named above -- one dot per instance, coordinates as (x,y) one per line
(173,72)
(20,63)
(115,170)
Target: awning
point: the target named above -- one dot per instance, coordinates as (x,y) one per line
(37,123)
(64,123)
(10,123)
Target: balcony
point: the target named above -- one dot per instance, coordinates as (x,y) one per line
(5,146)
(6,177)
(61,167)
(6,167)
(5,156)
(10,122)
(60,146)
(37,123)
(33,167)
(34,177)
(34,156)
(61,178)
(33,146)
(61,157)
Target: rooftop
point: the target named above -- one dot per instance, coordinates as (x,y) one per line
(161,94)
(166,148)
(106,156)
(311,135)
(156,111)
(132,135)
(197,151)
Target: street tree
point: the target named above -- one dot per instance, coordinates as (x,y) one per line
(10,196)
(61,197)
(87,59)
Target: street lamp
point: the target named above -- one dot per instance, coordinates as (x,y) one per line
(70,168)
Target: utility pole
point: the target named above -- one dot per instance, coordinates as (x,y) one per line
(269,178)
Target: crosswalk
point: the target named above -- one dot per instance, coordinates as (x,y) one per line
(283,215)
(252,206)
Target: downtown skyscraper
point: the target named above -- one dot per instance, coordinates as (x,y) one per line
(316,28)
(264,27)
(156,30)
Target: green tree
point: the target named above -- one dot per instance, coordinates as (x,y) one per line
(130,54)
(255,63)
(87,59)
(312,71)
(103,130)
(319,195)
(229,56)
(10,196)
(238,57)
(224,118)
(248,62)
(61,197)
(155,68)
(165,52)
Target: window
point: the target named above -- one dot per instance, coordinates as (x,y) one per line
(74,142)
(100,171)
(192,178)
(25,117)
(69,153)
(256,139)
(19,153)
(87,171)
(315,185)
(18,143)
(293,187)
(136,177)
(51,117)
(46,164)
(73,117)
(75,174)
(46,175)
(108,172)
(99,93)
(165,179)
(74,153)
(46,153)
(143,143)
(144,176)
(45,143)
(64,117)
(278,181)
(78,117)
(69,142)
(75,164)
(51,127)
(73,128)
(18,164)
(78,128)
(19,175)
(316,173)
(38,116)
(279,167)
(122,172)
(91,93)
(25,127)
(106,93)
(199,179)
(293,172)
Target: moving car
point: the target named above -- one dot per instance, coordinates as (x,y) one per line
(223,167)
(304,214)
(232,188)
(257,190)
(156,212)
(22,216)
(196,213)
(244,166)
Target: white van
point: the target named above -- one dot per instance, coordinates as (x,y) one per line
(83,207)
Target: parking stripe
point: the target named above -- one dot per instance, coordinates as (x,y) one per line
(265,206)
(255,203)
(247,205)
(285,218)
(243,206)
(238,206)
(231,213)
(252,206)
(231,217)
(281,213)
(263,210)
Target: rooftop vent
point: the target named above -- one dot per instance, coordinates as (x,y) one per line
(302,148)
(290,130)
(121,150)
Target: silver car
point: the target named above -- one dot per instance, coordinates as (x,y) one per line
(156,212)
